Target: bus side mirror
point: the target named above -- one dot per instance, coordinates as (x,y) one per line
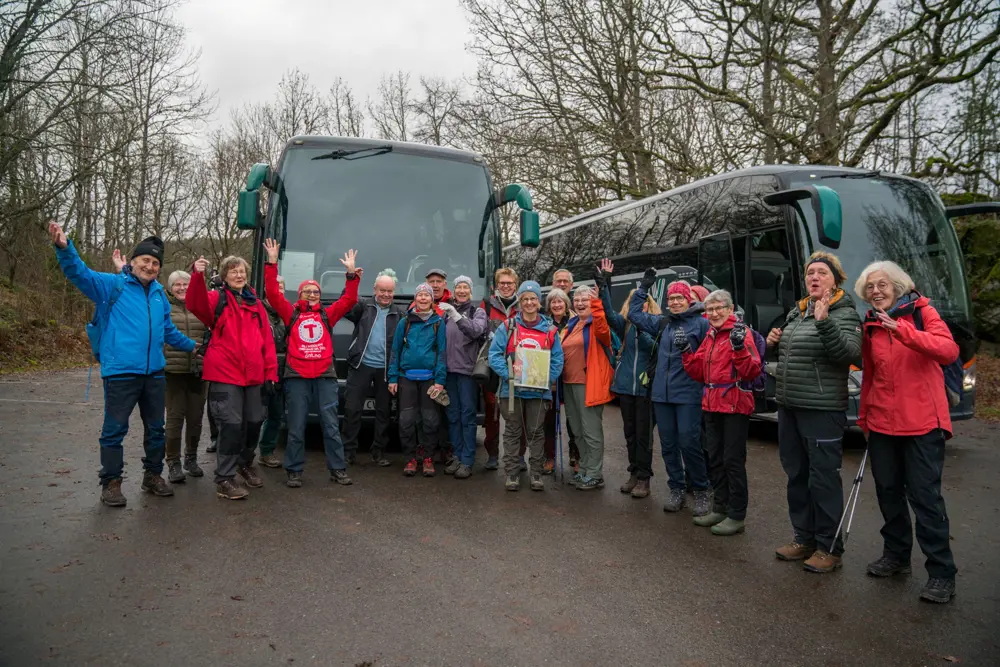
(825,205)
(979,208)
(248,202)
(529,229)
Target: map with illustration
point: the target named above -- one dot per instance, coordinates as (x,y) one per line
(534,367)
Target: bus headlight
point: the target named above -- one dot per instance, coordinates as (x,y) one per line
(854,382)
(969,377)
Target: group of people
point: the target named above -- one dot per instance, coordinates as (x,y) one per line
(690,372)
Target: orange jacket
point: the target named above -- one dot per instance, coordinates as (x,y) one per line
(600,373)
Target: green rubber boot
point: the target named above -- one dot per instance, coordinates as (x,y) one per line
(729,527)
(709,520)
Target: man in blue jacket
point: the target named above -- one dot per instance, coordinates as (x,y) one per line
(136,313)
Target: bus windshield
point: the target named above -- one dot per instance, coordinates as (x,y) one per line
(903,221)
(405,212)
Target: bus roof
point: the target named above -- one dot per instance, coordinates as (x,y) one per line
(409,147)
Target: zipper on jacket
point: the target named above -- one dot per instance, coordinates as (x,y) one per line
(367,339)
(819,380)
(635,363)
(388,350)
(149,331)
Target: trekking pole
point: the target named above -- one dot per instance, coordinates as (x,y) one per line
(852,501)
(562,470)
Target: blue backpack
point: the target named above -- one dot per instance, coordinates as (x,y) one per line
(98,323)
(759,383)
(954,373)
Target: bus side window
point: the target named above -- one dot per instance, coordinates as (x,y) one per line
(771,278)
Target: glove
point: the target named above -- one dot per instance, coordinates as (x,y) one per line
(738,336)
(268,388)
(450,311)
(601,278)
(648,278)
(681,341)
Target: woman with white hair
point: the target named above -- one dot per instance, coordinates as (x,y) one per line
(905,416)
(726,361)
(185,390)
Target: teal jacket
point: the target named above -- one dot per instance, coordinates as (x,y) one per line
(422,351)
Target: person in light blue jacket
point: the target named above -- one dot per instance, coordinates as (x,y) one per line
(529,328)
(136,316)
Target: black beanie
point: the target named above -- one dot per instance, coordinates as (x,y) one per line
(151,245)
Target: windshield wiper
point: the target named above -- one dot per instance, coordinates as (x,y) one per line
(865,174)
(341,154)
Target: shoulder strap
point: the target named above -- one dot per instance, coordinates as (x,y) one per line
(918,318)
(220,305)
(296,311)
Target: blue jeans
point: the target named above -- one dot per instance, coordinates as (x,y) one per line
(299,393)
(463,391)
(680,443)
(121,394)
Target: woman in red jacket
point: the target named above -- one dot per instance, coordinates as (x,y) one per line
(905,416)
(726,358)
(240,365)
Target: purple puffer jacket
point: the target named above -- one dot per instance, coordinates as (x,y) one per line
(465,337)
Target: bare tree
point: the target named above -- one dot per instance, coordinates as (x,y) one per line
(391,112)
(346,117)
(434,110)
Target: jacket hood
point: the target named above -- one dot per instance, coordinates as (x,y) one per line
(729,323)
(696,309)
(445,297)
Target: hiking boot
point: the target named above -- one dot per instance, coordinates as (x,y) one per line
(513,483)
(549,467)
(709,520)
(211,449)
(445,457)
(155,484)
(794,551)
(380,460)
(702,502)
(536,482)
(728,527)
(675,501)
(269,461)
(887,566)
(492,463)
(428,467)
(175,473)
(250,476)
(641,489)
(351,458)
(524,464)
(230,490)
(938,590)
(463,472)
(589,484)
(111,494)
(294,480)
(629,485)
(192,467)
(340,477)
(452,467)
(410,469)
(822,562)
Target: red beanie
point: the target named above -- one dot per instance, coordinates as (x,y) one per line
(680,288)
(304,283)
(699,292)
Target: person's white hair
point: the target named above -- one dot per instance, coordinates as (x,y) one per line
(566,271)
(387,273)
(901,281)
(175,276)
(719,296)
(584,290)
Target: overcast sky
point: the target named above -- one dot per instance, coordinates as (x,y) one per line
(246,45)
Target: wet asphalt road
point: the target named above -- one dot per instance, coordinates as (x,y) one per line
(396,571)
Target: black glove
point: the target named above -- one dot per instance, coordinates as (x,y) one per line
(648,278)
(601,277)
(268,388)
(681,341)
(738,336)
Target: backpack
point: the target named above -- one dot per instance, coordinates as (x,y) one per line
(954,373)
(99,322)
(220,308)
(759,383)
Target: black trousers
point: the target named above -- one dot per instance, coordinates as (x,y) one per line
(636,422)
(811,448)
(358,381)
(417,408)
(239,412)
(726,454)
(908,468)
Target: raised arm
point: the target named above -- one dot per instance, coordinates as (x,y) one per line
(199,300)
(275,295)
(935,341)
(642,320)
(95,286)
(599,322)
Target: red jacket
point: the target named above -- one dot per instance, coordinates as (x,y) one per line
(241,350)
(719,367)
(310,345)
(902,384)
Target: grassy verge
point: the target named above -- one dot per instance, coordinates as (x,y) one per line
(31,339)
(988,387)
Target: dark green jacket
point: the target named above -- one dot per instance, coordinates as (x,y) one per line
(814,358)
(179,361)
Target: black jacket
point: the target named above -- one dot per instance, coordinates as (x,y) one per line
(363,317)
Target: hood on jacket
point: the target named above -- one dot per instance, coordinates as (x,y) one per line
(696,309)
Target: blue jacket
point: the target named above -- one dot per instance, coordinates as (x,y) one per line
(139,322)
(634,357)
(422,352)
(498,359)
(672,384)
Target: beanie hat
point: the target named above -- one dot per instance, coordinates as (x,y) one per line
(680,288)
(306,283)
(152,246)
(529,286)
(699,292)
(463,279)
(424,287)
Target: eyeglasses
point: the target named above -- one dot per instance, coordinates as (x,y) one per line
(882,286)
(506,283)
(716,309)
(675,297)
(310,292)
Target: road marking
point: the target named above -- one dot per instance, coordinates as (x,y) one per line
(33,400)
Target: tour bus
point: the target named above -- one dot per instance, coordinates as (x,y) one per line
(403,206)
(749,232)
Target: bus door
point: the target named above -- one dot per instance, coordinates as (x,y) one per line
(715,263)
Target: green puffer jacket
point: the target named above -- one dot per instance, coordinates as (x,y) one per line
(190,326)
(814,358)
